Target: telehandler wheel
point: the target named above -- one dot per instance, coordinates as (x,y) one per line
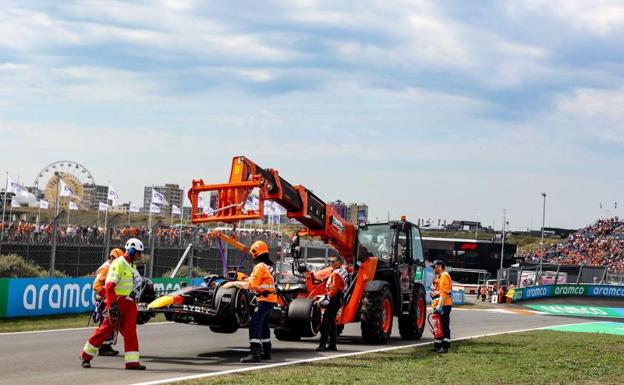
(286,335)
(376,316)
(412,326)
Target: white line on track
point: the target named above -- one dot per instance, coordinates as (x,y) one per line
(70,329)
(324,358)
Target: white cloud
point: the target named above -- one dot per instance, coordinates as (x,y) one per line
(597,112)
(600,17)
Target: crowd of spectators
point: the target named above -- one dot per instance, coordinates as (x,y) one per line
(32,233)
(600,244)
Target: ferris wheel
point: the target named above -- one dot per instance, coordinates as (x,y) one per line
(75,175)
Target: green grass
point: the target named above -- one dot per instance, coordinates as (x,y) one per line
(66,321)
(534,358)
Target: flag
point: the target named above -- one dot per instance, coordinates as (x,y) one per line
(65,190)
(73,206)
(15,188)
(175,210)
(252,203)
(112,194)
(208,210)
(158,198)
(133,208)
(102,206)
(43,204)
(14,203)
(154,209)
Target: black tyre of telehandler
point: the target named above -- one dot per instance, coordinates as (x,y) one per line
(412,325)
(377,316)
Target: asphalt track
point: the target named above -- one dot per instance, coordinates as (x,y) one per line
(175,350)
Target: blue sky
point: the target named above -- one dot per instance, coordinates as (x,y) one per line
(430,109)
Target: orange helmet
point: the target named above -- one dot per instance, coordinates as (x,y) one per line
(258,248)
(116,253)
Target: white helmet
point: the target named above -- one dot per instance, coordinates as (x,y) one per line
(134,243)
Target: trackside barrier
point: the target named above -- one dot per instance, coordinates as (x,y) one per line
(601,291)
(31,297)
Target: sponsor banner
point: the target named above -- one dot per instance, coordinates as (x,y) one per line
(568,291)
(46,296)
(27,297)
(4,295)
(164,286)
(575,310)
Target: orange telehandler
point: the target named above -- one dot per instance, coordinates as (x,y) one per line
(386,259)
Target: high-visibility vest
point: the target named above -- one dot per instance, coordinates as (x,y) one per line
(100,276)
(444,285)
(123,275)
(337,282)
(262,282)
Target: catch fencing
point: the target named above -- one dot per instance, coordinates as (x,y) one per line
(533,275)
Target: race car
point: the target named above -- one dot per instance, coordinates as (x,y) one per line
(225,310)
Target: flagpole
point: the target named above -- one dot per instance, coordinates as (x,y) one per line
(6,188)
(129,212)
(58,195)
(6,191)
(106,219)
(97,224)
(11,212)
(149,217)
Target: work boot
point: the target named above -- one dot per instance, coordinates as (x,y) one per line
(107,351)
(266,351)
(254,357)
(332,347)
(442,350)
(321,348)
(84,363)
(136,367)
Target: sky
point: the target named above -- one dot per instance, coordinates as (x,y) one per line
(430,109)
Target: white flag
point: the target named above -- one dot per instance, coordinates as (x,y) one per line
(112,194)
(154,209)
(43,204)
(14,203)
(133,208)
(175,210)
(102,206)
(158,198)
(252,203)
(73,206)
(16,188)
(208,210)
(65,190)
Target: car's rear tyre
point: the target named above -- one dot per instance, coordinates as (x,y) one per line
(286,335)
(224,329)
(304,318)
